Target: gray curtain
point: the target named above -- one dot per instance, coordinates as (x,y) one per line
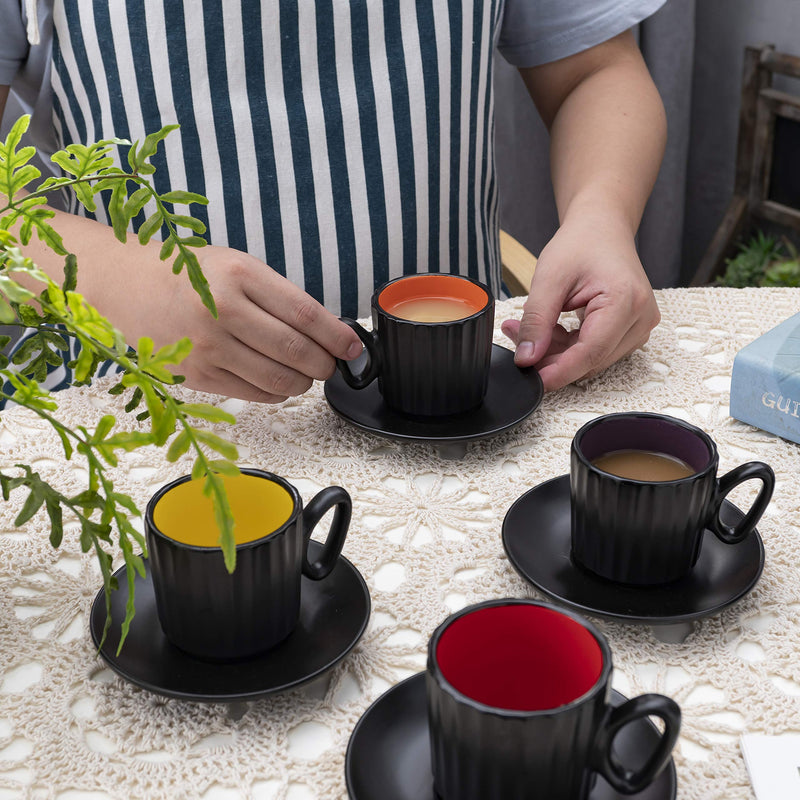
(527,208)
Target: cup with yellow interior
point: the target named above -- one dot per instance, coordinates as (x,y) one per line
(214,614)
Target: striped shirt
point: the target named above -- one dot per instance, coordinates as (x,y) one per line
(342,143)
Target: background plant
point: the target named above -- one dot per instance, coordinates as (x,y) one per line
(762,260)
(60,313)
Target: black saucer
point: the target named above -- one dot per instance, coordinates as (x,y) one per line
(388,756)
(536,537)
(513,395)
(333,616)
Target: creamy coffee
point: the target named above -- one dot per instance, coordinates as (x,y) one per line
(432,309)
(643,465)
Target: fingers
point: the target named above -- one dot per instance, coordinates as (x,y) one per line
(589,349)
(266,335)
(230,385)
(539,317)
(270,340)
(302,313)
(510,328)
(605,284)
(584,353)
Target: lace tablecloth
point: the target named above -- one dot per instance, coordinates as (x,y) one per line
(426,537)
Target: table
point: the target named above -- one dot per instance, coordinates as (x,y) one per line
(426,537)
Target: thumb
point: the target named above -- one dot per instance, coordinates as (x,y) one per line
(539,316)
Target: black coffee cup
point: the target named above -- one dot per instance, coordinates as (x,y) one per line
(216,615)
(518,706)
(431,344)
(646,527)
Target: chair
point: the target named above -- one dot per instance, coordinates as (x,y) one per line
(767,182)
(518,265)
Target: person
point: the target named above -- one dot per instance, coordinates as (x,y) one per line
(342,144)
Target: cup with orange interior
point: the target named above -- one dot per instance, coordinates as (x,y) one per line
(430,346)
(217,615)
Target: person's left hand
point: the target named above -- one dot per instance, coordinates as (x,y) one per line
(590,266)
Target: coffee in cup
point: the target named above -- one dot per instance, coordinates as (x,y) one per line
(643,490)
(431,344)
(517,697)
(643,465)
(432,309)
(211,613)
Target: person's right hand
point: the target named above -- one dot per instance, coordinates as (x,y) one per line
(270,341)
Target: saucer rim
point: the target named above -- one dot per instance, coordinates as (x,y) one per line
(616,697)
(657,620)
(111,661)
(422,438)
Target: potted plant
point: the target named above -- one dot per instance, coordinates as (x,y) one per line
(59,313)
(762,260)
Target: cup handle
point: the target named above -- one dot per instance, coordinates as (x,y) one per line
(312,514)
(752,469)
(374,363)
(628,781)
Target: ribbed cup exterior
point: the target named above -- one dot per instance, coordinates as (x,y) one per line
(639,532)
(215,615)
(484,754)
(434,369)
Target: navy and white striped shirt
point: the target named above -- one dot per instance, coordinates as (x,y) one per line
(344,143)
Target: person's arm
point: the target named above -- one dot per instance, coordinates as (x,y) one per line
(270,341)
(608,131)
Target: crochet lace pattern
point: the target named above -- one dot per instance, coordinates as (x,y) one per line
(425,534)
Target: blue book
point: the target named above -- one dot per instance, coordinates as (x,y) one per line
(765,382)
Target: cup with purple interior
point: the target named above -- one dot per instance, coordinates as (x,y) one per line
(644,489)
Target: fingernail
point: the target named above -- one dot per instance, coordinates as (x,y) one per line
(354,351)
(524,351)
